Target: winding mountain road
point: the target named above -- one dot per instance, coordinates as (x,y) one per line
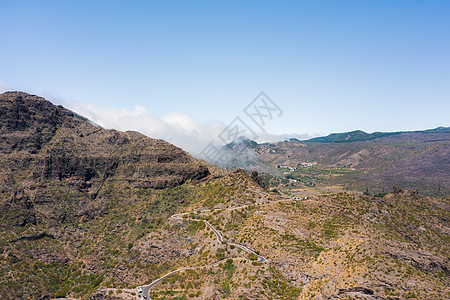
(262,259)
(219,236)
(220,239)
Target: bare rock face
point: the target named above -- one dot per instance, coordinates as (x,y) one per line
(257,178)
(47,152)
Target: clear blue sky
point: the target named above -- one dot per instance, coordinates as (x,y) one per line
(330,65)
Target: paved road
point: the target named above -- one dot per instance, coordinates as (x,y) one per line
(146,289)
(219,236)
(220,239)
(260,258)
(180,215)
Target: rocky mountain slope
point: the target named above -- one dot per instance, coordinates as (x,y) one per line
(48,150)
(340,246)
(89,213)
(58,169)
(357,160)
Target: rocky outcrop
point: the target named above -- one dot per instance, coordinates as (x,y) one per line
(47,153)
(33,237)
(356,289)
(257,178)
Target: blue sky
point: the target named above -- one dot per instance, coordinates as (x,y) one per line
(332,66)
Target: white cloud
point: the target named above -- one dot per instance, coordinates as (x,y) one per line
(176,128)
(264,137)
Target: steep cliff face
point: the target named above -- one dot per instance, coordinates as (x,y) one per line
(50,157)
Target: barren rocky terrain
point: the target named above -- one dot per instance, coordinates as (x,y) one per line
(87,213)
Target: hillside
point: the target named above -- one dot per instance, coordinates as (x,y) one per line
(348,137)
(360,161)
(335,246)
(89,213)
(359,135)
(59,173)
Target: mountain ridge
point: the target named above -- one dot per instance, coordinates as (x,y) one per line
(90,213)
(411,159)
(360,135)
(60,128)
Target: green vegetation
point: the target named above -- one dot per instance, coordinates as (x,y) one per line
(348,137)
(229,270)
(278,288)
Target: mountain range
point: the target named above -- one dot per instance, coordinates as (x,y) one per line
(357,160)
(90,213)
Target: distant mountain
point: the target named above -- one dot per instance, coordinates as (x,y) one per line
(353,136)
(241,141)
(414,160)
(359,135)
(438,129)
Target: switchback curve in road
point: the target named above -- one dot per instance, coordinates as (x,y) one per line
(146,288)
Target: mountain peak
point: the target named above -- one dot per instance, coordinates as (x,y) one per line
(64,145)
(351,136)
